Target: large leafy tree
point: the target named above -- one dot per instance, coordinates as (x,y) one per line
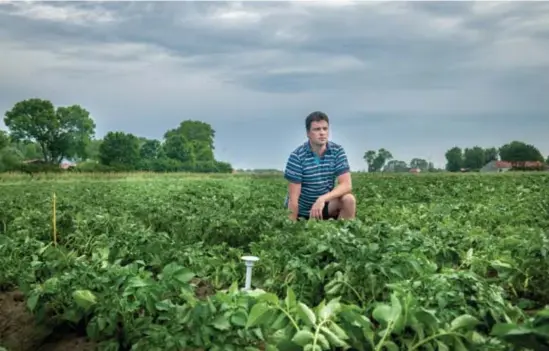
(518,151)
(420,163)
(61,133)
(396,166)
(490,154)
(474,158)
(177,147)
(369,157)
(92,149)
(151,149)
(198,136)
(119,148)
(454,159)
(376,160)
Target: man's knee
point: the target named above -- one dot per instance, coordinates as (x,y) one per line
(348,201)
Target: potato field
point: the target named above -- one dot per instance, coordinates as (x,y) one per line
(153,262)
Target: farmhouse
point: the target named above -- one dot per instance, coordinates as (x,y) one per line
(63,165)
(497,166)
(504,166)
(67,165)
(529,165)
(415,170)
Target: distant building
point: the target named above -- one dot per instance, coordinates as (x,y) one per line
(504,166)
(497,166)
(63,165)
(67,165)
(414,170)
(529,165)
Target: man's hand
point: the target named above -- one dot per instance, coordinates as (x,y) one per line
(316,209)
(293,217)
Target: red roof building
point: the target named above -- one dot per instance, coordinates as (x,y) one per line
(414,170)
(503,166)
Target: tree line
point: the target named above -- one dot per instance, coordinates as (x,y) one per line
(473,159)
(476,157)
(382,161)
(40,131)
(49,135)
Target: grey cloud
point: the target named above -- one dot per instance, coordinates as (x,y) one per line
(416,68)
(179,27)
(386,79)
(392,40)
(442,7)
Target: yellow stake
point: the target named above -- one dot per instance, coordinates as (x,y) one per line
(54,222)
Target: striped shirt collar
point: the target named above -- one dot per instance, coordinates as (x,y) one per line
(310,152)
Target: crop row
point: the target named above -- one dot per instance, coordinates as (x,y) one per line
(433,262)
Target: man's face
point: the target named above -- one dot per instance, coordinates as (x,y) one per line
(318,134)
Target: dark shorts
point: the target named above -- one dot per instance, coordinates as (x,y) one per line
(325,214)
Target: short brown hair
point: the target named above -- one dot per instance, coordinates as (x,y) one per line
(316,116)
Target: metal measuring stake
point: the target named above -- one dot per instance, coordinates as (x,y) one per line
(249,262)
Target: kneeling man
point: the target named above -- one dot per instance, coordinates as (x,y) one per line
(312,170)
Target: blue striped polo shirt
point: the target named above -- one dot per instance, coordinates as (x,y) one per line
(317,175)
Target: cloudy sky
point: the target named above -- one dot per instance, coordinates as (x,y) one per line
(414,77)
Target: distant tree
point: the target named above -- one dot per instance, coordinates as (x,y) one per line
(369,157)
(396,166)
(517,151)
(420,163)
(119,149)
(490,154)
(9,156)
(151,149)
(92,149)
(224,167)
(199,135)
(4,139)
(29,150)
(382,157)
(142,140)
(474,158)
(61,133)
(376,160)
(179,148)
(454,159)
(547,160)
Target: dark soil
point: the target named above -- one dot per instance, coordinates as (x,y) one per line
(68,342)
(20,332)
(203,288)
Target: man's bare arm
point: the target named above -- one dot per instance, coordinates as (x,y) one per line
(294,190)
